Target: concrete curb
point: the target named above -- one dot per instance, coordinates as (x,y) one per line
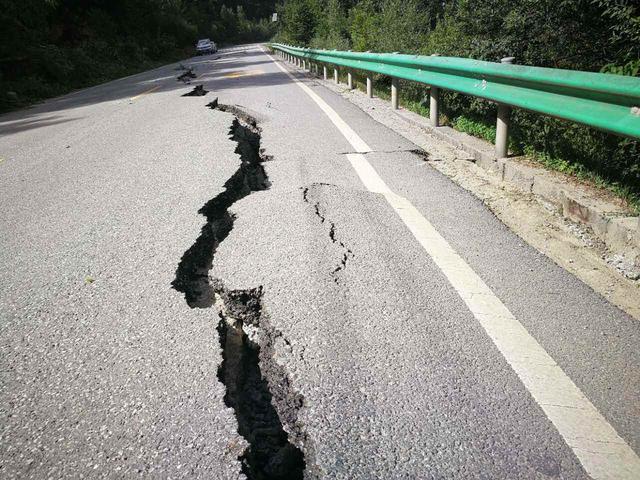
(611,223)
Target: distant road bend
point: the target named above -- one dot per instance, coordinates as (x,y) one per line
(239,274)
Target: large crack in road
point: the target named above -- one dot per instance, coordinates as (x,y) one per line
(192,276)
(198,91)
(248,369)
(247,340)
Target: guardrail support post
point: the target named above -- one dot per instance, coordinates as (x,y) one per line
(502,124)
(395,87)
(349,81)
(324,71)
(434,106)
(502,131)
(335,75)
(369,87)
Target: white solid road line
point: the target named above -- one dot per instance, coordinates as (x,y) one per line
(596,444)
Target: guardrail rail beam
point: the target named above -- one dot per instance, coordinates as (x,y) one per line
(600,100)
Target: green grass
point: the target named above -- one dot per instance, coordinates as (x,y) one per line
(582,173)
(414,106)
(488,132)
(474,128)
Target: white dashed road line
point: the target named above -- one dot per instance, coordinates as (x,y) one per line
(596,444)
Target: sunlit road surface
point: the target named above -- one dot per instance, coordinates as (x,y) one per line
(274,285)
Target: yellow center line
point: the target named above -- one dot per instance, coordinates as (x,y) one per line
(144,93)
(242,73)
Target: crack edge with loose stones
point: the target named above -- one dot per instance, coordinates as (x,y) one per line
(270,456)
(347,253)
(256,384)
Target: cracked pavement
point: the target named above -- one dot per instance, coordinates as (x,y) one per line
(376,366)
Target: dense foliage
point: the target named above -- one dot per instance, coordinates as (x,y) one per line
(51,46)
(591,35)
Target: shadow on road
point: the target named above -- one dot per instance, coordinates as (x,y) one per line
(236,68)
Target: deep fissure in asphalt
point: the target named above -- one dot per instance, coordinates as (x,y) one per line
(192,275)
(247,362)
(186,76)
(270,455)
(347,253)
(198,91)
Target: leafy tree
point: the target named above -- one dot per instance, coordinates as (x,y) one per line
(332,30)
(404,26)
(298,21)
(624,39)
(365,26)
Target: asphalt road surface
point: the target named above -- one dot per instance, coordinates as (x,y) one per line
(274,285)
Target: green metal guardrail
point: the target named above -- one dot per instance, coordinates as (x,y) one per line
(604,101)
